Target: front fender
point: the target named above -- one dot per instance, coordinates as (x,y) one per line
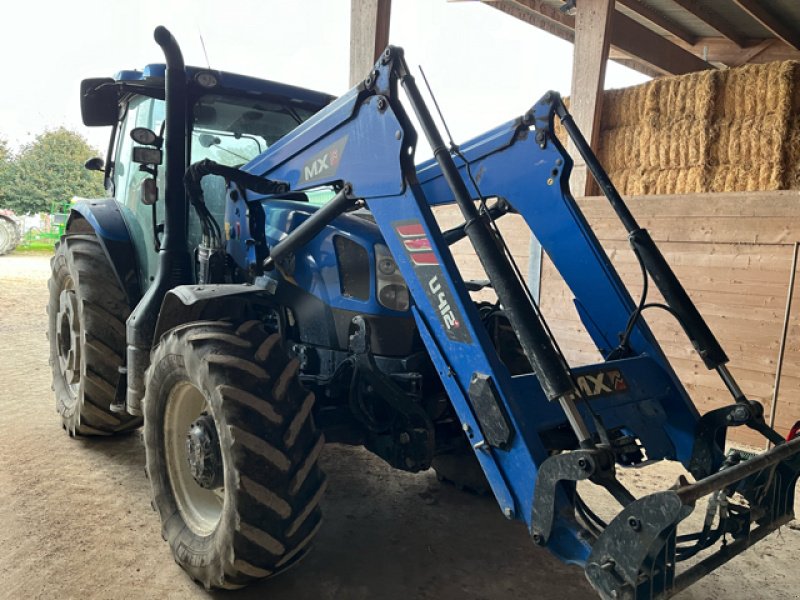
(186,303)
(104,218)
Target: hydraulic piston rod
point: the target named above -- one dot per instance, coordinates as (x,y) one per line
(553,374)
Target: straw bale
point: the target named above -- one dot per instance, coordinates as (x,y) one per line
(623,107)
(794,69)
(756,90)
(745,178)
(630,182)
(620,147)
(686,96)
(749,141)
(558,129)
(792,157)
(678,181)
(683,143)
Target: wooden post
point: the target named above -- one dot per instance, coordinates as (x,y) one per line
(592,21)
(369,35)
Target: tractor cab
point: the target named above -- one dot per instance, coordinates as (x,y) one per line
(230,119)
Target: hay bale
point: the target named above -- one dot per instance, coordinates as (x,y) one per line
(683,97)
(792,156)
(620,147)
(630,182)
(683,143)
(687,180)
(623,107)
(745,178)
(756,90)
(749,141)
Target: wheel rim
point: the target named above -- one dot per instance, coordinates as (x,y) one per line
(200,508)
(68,338)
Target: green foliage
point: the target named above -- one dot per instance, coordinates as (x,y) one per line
(49,169)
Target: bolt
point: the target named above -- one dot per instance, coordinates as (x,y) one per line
(584,464)
(398,135)
(508,512)
(559,162)
(381,104)
(614,594)
(467,429)
(538,539)
(549,181)
(741,413)
(405,438)
(634,523)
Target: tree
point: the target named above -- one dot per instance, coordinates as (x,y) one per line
(49,169)
(5,173)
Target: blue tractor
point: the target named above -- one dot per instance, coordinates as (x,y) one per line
(268,271)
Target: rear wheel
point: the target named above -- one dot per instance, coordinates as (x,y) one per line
(86,329)
(9,235)
(232,452)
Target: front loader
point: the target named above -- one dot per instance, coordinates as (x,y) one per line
(328,302)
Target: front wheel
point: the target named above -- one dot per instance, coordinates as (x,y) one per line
(232,452)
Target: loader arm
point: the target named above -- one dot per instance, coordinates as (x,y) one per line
(363,145)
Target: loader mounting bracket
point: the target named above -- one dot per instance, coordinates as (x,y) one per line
(643,533)
(572,466)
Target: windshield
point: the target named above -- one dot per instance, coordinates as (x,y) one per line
(232,131)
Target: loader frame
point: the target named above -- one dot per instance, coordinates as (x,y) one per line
(363,145)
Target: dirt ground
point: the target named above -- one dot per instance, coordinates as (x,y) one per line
(75,517)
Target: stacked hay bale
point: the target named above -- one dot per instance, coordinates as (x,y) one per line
(793,145)
(620,148)
(751,128)
(711,131)
(675,133)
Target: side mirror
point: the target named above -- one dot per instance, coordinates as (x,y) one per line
(206,140)
(99,101)
(147,156)
(149,192)
(145,136)
(95,164)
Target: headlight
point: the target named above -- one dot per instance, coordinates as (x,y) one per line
(391,289)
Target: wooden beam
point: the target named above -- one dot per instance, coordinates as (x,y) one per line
(658,19)
(722,51)
(780,29)
(647,46)
(641,44)
(369,35)
(540,15)
(592,25)
(713,20)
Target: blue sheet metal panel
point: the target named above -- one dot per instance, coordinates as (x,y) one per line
(508,162)
(316,267)
(625,393)
(458,356)
(335,145)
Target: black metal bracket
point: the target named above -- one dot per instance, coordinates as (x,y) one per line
(708,452)
(408,440)
(641,537)
(572,466)
(490,411)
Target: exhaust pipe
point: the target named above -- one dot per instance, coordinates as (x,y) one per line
(174,259)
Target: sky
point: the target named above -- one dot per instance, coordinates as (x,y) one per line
(484,66)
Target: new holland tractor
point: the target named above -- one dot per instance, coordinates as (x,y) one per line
(267,271)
